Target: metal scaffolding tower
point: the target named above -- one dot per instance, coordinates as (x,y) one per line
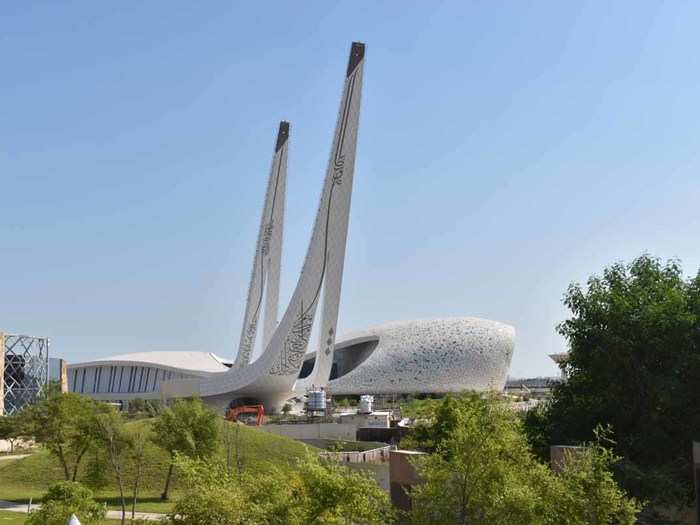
(24,362)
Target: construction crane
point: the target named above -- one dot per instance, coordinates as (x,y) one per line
(233,414)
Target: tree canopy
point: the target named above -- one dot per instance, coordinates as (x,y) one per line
(11,429)
(634,364)
(482,471)
(64,425)
(187,428)
(64,499)
(317,492)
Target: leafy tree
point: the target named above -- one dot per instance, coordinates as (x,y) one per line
(634,364)
(535,424)
(336,446)
(109,431)
(138,441)
(10,429)
(286,409)
(120,450)
(140,408)
(214,495)
(316,493)
(51,389)
(187,428)
(588,493)
(333,494)
(96,473)
(64,499)
(437,420)
(482,471)
(63,424)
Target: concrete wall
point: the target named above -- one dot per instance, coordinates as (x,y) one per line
(376,419)
(314,430)
(63,376)
(402,477)
(376,455)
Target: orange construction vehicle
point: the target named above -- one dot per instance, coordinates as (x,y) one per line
(234,414)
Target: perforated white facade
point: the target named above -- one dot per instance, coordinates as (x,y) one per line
(430,356)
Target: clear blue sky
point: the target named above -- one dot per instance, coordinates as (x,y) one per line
(506,149)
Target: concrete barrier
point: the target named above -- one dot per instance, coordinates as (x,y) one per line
(376,455)
(346,432)
(402,477)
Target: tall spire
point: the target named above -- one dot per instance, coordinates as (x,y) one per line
(322,273)
(263,291)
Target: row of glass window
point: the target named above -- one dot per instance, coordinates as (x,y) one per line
(127,379)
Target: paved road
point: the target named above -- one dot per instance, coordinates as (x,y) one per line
(111,514)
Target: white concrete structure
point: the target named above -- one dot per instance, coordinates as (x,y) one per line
(427,356)
(265,276)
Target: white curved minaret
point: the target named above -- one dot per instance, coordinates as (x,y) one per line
(273,376)
(265,276)
(323,267)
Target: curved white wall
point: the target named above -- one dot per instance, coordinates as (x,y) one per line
(432,356)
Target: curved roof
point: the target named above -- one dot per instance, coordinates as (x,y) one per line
(456,347)
(182,360)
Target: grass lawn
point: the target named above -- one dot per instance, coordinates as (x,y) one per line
(11,518)
(30,477)
(17,518)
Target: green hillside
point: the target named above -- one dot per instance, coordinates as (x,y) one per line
(11,518)
(30,477)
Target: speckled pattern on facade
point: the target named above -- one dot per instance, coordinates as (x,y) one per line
(431,356)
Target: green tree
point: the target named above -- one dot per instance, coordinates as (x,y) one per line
(141,408)
(317,493)
(634,364)
(187,428)
(64,499)
(109,431)
(138,442)
(482,471)
(10,429)
(336,495)
(96,472)
(587,491)
(51,389)
(214,495)
(63,424)
(119,453)
(437,420)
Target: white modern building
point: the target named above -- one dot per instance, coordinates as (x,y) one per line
(434,356)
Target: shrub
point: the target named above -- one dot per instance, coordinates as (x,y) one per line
(64,499)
